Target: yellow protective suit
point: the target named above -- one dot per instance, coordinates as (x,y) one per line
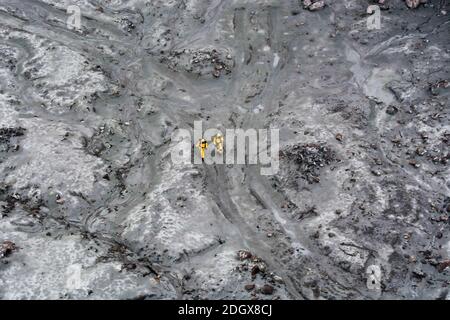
(202,144)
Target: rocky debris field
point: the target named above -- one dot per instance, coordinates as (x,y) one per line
(92,207)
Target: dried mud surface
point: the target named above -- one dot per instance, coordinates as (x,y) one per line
(91,207)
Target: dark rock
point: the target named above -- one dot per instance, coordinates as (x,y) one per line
(244,255)
(420,151)
(414,163)
(267,289)
(376,172)
(412,4)
(345,265)
(249,287)
(391,110)
(7,248)
(443,265)
(419,274)
(313,5)
(255,270)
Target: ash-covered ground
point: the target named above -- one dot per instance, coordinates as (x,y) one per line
(92,207)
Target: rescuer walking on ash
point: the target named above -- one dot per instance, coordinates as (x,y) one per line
(202,144)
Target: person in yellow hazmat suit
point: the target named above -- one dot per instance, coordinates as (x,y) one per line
(202,144)
(218,142)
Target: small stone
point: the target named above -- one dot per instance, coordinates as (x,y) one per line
(412,4)
(339,137)
(59,199)
(378,162)
(257,268)
(307,3)
(424,136)
(376,172)
(420,151)
(419,274)
(391,110)
(316,6)
(277,279)
(345,265)
(443,265)
(244,254)
(433,262)
(414,164)
(6,248)
(249,287)
(267,289)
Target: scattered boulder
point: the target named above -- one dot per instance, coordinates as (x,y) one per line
(443,265)
(376,172)
(391,110)
(251,262)
(277,279)
(412,4)
(244,255)
(249,287)
(7,248)
(267,289)
(313,5)
(419,274)
(258,267)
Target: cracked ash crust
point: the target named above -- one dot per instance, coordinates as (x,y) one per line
(92,208)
